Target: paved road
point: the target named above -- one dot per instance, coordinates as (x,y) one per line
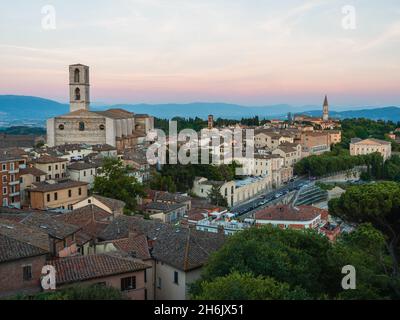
(245,209)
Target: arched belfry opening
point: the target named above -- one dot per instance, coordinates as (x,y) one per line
(77,94)
(77,75)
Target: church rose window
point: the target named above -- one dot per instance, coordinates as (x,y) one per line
(81,126)
(61,127)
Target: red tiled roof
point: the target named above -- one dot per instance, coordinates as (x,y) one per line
(289,213)
(82,268)
(136,245)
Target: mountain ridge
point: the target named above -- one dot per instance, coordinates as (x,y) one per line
(20,108)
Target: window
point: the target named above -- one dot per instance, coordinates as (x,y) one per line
(80,191)
(48,197)
(4,179)
(61,127)
(57,176)
(128,283)
(49,168)
(55,196)
(27,273)
(12,166)
(77,94)
(4,190)
(76,75)
(176,277)
(56,166)
(159,283)
(81,126)
(63,166)
(70,193)
(102,127)
(84,173)
(37,179)
(4,167)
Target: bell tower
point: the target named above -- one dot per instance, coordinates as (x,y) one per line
(79,91)
(325,114)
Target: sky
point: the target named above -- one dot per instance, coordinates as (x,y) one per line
(250,52)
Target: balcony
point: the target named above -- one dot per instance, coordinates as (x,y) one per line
(15,194)
(13,183)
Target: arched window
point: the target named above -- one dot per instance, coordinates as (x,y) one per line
(77,94)
(77,75)
(81,126)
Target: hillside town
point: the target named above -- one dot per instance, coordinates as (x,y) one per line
(56,209)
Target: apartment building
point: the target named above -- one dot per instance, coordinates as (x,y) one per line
(55,168)
(290,152)
(10,166)
(57,194)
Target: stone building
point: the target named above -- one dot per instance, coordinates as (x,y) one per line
(362,147)
(116,127)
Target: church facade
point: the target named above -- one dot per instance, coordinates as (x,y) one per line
(116,127)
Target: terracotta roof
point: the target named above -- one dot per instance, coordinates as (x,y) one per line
(289,213)
(103,147)
(82,166)
(91,220)
(164,207)
(135,245)
(33,171)
(113,204)
(12,249)
(49,159)
(116,114)
(21,232)
(83,268)
(45,186)
(50,225)
(179,247)
(167,196)
(371,141)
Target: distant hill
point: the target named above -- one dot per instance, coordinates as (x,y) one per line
(24,109)
(386,113)
(29,108)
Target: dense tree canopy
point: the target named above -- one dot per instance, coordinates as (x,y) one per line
(378,204)
(296,264)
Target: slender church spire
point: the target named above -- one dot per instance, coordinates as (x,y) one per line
(325,116)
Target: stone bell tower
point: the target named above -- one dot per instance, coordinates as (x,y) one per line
(79,91)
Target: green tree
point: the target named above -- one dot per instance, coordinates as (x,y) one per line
(216,197)
(115,181)
(364,249)
(289,256)
(378,204)
(236,286)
